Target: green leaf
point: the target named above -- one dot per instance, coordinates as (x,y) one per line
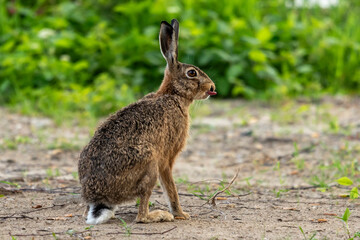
(345,181)
(313,236)
(257,56)
(354,193)
(90,227)
(10,183)
(346,215)
(264,34)
(306,68)
(131,8)
(54,236)
(301,230)
(223,86)
(234,71)
(70,232)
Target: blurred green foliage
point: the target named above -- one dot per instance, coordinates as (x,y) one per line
(92,57)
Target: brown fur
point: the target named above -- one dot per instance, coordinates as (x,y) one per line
(139,143)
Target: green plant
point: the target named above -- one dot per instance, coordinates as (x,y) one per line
(299,163)
(280,191)
(277,168)
(54,236)
(334,126)
(357,234)
(247,180)
(12,143)
(342,162)
(344,220)
(204,192)
(63,144)
(126,227)
(214,238)
(11,184)
(75,175)
(296,149)
(319,180)
(182,180)
(50,172)
(305,238)
(137,204)
(58,64)
(89,227)
(345,181)
(71,232)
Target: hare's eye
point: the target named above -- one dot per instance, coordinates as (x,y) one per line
(191,73)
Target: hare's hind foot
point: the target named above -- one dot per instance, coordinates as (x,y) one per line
(156,216)
(99,213)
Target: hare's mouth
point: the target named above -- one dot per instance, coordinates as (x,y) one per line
(211,92)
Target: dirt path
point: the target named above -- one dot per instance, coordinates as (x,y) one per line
(288,155)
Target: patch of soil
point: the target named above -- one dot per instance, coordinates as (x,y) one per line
(279,150)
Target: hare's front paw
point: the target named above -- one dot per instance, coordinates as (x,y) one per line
(182,216)
(156,216)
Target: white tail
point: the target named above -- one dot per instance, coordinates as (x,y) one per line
(99,213)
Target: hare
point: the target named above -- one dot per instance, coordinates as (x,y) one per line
(140,142)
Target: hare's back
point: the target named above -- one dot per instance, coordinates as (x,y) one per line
(138,124)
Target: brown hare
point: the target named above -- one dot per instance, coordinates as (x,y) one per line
(140,142)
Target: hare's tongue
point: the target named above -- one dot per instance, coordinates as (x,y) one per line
(211,93)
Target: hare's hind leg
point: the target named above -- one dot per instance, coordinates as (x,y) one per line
(170,192)
(146,186)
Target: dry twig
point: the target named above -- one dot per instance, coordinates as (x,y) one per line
(22,214)
(150,233)
(212,199)
(51,233)
(12,216)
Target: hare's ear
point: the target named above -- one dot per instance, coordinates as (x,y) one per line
(175,25)
(168,38)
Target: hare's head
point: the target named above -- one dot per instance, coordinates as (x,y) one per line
(180,78)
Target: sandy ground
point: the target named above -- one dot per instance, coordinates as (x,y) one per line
(288,155)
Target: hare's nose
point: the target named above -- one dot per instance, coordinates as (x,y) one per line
(211,92)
